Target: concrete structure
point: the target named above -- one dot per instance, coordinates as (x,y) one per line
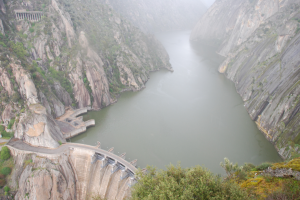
(71,125)
(32,16)
(97,172)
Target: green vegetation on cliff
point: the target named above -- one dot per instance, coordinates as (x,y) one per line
(241,182)
(178,183)
(6,165)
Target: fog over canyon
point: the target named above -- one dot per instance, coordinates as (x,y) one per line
(94,92)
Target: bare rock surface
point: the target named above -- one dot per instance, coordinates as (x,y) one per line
(282,173)
(46,179)
(7,114)
(81,94)
(261,46)
(62,94)
(37,128)
(5,82)
(2,6)
(96,76)
(27,87)
(67,22)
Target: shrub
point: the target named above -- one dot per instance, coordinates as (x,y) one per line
(263,166)
(230,168)
(2,129)
(179,183)
(31,30)
(248,167)
(6,189)
(16,97)
(7,135)
(19,49)
(290,190)
(5,153)
(4,133)
(2,44)
(11,123)
(241,175)
(5,171)
(27,162)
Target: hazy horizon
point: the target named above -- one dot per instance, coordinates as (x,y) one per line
(208,3)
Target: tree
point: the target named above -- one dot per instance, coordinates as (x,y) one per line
(5,171)
(11,123)
(5,153)
(6,189)
(178,183)
(230,168)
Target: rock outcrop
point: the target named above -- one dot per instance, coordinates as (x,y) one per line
(282,173)
(2,6)
(62,94)
(261,46)
(26,86)
(72,57)
(38,128)
(7,114)
(95,75)
(234,21)
(1,27)
(79,54)
(42,178)
(5,82)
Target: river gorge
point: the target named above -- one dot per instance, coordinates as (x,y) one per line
(193,115)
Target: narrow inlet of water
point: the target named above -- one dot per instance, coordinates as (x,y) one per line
(193,115)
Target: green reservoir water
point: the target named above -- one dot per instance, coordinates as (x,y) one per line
(193,115)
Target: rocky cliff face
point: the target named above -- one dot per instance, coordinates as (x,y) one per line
(164,15)
(36,177)
(261,46)
(78,54)
(38,128)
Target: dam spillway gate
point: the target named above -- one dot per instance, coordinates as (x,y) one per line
(115,165)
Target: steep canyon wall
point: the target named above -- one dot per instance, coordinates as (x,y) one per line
(78,54)
(260,40)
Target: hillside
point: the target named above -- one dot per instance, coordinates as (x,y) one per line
(260,40)
(69,54)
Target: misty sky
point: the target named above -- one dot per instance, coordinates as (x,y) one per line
(208,2)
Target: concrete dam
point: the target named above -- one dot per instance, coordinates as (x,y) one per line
(96,171)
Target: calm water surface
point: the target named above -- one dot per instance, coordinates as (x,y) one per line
(193,115)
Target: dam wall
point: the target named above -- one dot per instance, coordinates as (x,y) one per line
(97,173)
